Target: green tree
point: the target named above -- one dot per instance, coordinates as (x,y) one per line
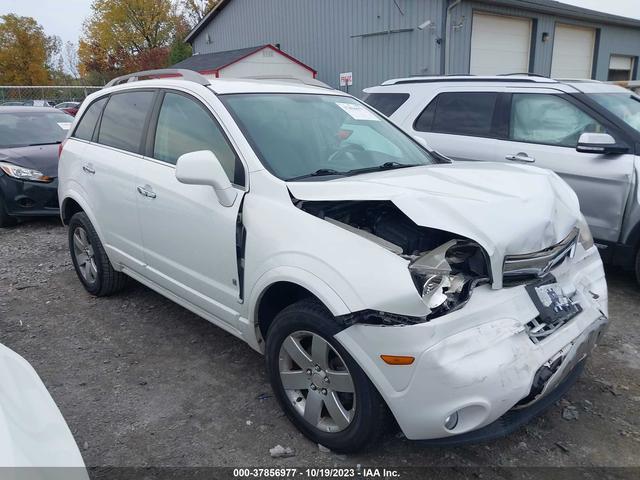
(122,34)
(27,54)
(179,51)
(179,48)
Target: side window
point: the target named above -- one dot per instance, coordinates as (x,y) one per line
(186,126)
(386,103)
(87,123)
(459,113)
(122,124)
(548,119)
(424,122)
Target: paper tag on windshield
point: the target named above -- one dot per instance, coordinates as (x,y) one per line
(358,112)
(64,125)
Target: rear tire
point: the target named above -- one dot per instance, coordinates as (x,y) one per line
(90,259)
(343,411)
(6,220)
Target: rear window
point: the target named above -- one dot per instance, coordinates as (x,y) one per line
(123,119)
(386,103)
(459,113)
(21,129)
(87,123)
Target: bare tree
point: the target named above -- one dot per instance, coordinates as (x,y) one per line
(195,10)
(70,54)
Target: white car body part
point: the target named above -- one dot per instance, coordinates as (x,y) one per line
(33,432)
(224,262)
(536,121)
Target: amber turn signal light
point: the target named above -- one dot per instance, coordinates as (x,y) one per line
(397,359)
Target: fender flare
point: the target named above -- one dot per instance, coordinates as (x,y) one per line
(79,199)
(309,281)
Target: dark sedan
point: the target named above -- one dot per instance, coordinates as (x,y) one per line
(29,140)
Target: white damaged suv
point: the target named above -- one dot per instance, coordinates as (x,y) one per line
(378,279)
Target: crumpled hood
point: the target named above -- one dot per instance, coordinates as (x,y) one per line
(508,209)
(39,157)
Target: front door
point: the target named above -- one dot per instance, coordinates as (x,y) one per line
(540,129)
(189,237)
(544,131)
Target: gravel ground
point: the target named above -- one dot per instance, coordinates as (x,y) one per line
(144,382)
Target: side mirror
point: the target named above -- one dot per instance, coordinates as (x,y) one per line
(204,168)
(601,143)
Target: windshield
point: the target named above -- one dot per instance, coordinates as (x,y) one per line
(299,136)
(625,106)
(21,129)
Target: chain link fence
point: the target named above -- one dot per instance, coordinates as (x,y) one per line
(51,93)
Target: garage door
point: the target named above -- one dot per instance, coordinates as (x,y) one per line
(499,44)
(572,52)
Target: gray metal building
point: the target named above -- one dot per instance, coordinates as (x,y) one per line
(382,39)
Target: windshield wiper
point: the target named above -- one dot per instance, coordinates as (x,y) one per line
(322,172)
(44,143)
(384,166)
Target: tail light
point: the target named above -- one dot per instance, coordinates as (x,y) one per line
(60,147)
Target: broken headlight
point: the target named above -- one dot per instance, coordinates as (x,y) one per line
(446,275)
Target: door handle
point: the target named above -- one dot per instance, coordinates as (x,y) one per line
(88,169)
(146,191)
(520,157)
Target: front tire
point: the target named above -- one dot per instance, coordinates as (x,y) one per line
(320,387)
(90,259)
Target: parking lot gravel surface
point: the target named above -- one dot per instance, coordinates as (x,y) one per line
(143,382)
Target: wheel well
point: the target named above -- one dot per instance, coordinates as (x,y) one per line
(275,299)
(69,208)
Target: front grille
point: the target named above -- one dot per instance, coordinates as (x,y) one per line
(524,268)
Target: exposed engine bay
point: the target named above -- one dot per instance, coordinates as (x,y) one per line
(445,267)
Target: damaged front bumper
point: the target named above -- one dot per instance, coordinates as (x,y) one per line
(481,364)
(26,199)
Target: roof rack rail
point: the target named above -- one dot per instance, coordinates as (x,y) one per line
(188,75)
(522,74)
(465,79)
(289,78)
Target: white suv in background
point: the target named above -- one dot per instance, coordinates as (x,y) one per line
(374,276)
(588,132)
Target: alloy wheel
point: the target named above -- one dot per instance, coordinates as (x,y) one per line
(85,257)
(317,381)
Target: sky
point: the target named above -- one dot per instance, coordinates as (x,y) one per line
(64,17)
(58,17)
(624,8)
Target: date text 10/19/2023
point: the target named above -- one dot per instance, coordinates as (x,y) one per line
(290,472)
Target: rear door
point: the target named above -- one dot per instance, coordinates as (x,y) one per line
(110,163)
(189,237)
(462,122)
